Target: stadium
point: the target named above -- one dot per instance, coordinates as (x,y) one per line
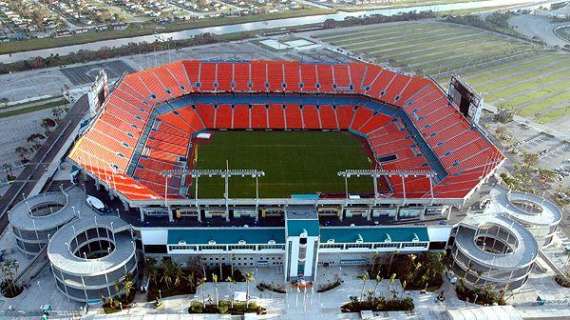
(148,145)
(274,164)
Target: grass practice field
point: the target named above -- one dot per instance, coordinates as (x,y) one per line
(503,69)
(293,162)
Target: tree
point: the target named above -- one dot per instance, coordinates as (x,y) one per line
(530,160)
(22,152)
(215,280)
(378,282)
(57,112)
(47,124)
(392,280)
(248,278)
(8,271)
(151,270)
(364,278)
(128,285)
(169,272)
(190,280)
(505,113)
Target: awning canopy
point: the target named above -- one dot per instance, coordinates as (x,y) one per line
(95,203)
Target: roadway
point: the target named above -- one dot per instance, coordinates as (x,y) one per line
(41,160)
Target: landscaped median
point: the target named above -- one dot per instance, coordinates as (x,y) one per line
(378,304)
(226,307)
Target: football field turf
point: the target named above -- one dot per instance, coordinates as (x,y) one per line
(293,162)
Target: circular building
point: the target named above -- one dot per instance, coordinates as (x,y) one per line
(35,219)
(539,215)
(492,249)
(90,255)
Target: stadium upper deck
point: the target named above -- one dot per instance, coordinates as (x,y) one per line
(147,123)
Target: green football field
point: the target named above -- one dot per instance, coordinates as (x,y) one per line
(293,162)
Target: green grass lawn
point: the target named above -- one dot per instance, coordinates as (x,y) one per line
(293,162)
(532,79)
(32,107)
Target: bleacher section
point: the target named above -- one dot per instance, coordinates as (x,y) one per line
(132,144)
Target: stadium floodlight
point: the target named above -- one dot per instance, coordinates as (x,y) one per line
(375,174)
(224,173)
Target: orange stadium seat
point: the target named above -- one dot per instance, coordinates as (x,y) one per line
(308,78)
(259,118)
(328,117)
(242,79)
(325,78)
(241,117)
(206,113)
(208,76)
(292,76)
(311,119)
(293,117)
(276,115)
(224,77)
(362,115)
(344,115)
(224,117)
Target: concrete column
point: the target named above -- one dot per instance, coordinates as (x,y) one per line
(170,215)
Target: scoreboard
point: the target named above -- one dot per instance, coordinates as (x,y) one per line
(465,99)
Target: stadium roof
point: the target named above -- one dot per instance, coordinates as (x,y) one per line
(226,235)
(146,124)
(374,234)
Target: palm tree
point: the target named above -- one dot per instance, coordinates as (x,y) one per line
(128,285)
(364,278)
(215,281)
(204,280)
(392,259)
(189,278)
(178,275)
(151,270)
(378,282)
(170,273)
(231,281)
(392,280)
(248,278)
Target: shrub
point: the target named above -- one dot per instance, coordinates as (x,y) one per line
(263,286)
(196,307)
(419,271)
(225,307)
(486,295)
(329,286)
(10,289)
(378,304)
